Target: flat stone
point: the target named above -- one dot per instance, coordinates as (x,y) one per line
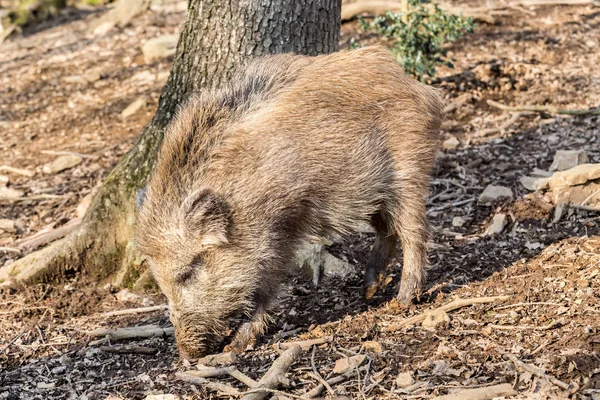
(492,192)
(405,379)
(343,365)
(451,143)
(133,108)
(533,183)
(567,159)
(436,319)
(458,222)
(7,225)
(575,176)
(160,47)
(498,224)
(335,267)
(61,163)
(7,193)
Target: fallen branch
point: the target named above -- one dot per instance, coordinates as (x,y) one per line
(489,131)
(451,205)
(10,250)
(454,305)
(128,349)
(536,303)
(135,310)
(133,332)
(41,239)
(18,171)
(537,372)
(584,208)
(211,372)
(68,153)
(482,393)
(304,344)
(272,378)
(543,109)
(216,386)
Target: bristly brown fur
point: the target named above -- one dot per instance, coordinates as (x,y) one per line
(293,148)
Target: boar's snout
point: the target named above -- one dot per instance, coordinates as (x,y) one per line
(194,339)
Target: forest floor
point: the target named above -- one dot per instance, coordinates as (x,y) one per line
(62,90)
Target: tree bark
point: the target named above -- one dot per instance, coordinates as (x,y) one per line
(217,37)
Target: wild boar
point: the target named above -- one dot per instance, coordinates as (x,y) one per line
(292,149)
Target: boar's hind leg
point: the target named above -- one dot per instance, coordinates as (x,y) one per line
(247,333)
(411,224)
(381,255)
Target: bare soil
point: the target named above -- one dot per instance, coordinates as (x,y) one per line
(545,55)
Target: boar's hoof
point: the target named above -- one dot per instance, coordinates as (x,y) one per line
(407,292)
(369,291)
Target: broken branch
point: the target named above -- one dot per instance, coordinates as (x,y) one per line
(271,379)
(543,109)
(514,118)
(304,344)
(454,305)
(216,386)
(210,372)
(537,372)
(135,310)
(133,332)
(17,171)
(128,349)
(482,393)
(317,390)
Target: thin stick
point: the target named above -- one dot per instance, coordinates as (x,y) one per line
(135,310)
(535,371)
(218,387)
(18,171)
(270,379)
(514,118)
(551,325)
(263,392)
(482,393)
(13,340)
(543,109)
(539,303)
(584,208)
(318,375)
(314,392)
(128,349)
(454,305)
(304,344)
(38,197)
(450,205)
(133,332)
(211,372)
(68,153)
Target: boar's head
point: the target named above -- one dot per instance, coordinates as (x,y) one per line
(204,274)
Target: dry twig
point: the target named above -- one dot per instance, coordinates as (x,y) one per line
(514,118)
(543,109)
(482,393)
(272,378)
(537,372)
(216,386)
(210,372)
(133,332)
(454,305)
(18,171)
(304,344)
(314,392)
(135,310)
(128,349)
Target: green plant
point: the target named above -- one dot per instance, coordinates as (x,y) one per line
(420,36)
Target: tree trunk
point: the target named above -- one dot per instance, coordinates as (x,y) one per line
(217,37)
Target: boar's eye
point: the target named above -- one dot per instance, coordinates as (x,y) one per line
(187,272)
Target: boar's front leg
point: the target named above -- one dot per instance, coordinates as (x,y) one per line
(247,333)
(381,256)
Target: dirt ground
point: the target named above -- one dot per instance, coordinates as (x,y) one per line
(63,90)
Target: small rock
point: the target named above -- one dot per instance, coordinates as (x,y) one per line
(59,370)
(83,205)
(92,76)
(375,347)
(104,28)
(439,366)
(590,43)
(218,359)
(567,159)
(162,397)
(65,359)
(61,163)
(575,176)
(45,385)
(78,79)
(533,183)
(343,365)
(498,224)
(3,180)
(7,193)
(491,193)
(534,245)
(133,107)
(405,379)
(334,267)
(125,295)
(451,143)
(540,173)
(458,222)
(7,225)
(436,319)
(160,47)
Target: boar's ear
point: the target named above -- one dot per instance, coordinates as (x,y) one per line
(140,197)
(206,217)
